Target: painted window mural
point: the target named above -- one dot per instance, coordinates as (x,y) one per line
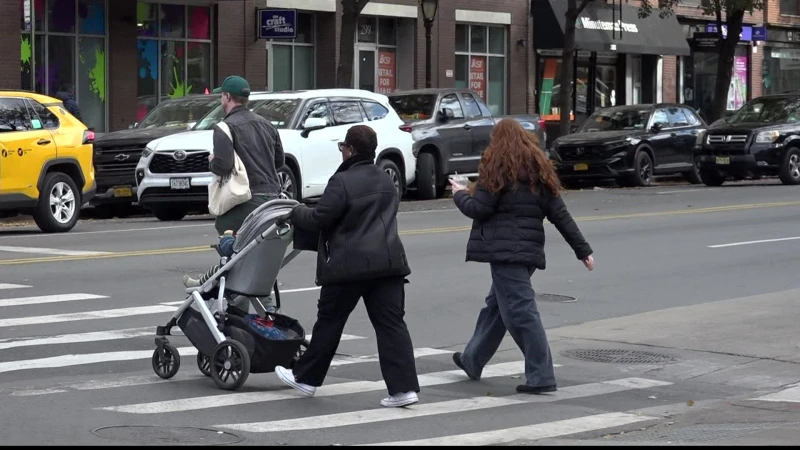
(174,53)
(63,44)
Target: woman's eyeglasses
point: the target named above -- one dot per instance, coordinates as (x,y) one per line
(343,146)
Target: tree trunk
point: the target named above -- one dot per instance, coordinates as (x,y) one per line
(567,69)
(351,9)
(725,66)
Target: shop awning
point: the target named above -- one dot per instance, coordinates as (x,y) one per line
(651,35)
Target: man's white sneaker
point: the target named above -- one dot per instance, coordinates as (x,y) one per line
(399,400)
(287,376)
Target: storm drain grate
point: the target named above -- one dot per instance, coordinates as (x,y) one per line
(555,298)
(618,356)
(707,432)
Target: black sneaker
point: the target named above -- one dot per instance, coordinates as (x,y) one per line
(457,360)
(525,389)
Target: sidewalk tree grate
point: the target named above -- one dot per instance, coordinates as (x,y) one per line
(555,298)
(149,435)
(618,356)
(706,432)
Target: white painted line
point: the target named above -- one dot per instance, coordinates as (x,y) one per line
(79,360)
(23,301)
(765,241)
(448,407)
(531,432)
(418,353)
(106,384)
(4,286)
(49,251)
(209,225)
(288,291)
(355,387)
(681,191)
(77,337)
(791,395)
(89,315)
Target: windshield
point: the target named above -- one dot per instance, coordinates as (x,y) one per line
(617,119)
(413,107)
(179,113)
(768,110)
(279,112)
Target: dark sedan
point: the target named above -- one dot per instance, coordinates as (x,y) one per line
(631,144)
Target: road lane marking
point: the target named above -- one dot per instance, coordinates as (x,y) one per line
(76,338)
(50,251)
(205,248)
(347,388)
(89,315)
(790,395)
(763,241)
(40,300)
(5,286)
(447,407)
(538,431)
(681,191)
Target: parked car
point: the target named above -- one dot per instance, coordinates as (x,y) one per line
(45,161)
(173,177)
(451,129)
(116,154)
(631,144)
(761,138)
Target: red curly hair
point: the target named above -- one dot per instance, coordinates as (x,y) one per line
(514,155)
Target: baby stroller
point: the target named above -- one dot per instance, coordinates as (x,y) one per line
(230,343)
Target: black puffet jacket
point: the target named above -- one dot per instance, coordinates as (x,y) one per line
(508,227)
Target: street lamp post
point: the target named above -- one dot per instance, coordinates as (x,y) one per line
(429,9)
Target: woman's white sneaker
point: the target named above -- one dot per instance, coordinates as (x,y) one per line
(399,400)
(287,376)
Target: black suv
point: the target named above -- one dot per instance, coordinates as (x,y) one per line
(761,138)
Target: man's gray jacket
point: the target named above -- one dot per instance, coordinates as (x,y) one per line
(258,145)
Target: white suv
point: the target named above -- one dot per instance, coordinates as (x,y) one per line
(172,175)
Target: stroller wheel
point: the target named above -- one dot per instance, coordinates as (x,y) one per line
(204,364)
(230,365)
(166,361)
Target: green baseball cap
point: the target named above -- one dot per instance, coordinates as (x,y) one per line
(234,85)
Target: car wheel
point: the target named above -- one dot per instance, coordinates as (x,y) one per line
(289,187)
(168,213)
(59,204)
(693,176)
(712,177)
(643,169)
(790,169)
(395,175)
(426,177)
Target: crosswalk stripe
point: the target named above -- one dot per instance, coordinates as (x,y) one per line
(93,336)
(531,432)
(89,315)
(790,395)
(355,387)
(447,407)
(4,286)
(43,299)
(49,251)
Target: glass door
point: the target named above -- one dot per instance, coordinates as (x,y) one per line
(365,68)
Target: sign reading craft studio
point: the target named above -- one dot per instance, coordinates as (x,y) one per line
(277,24)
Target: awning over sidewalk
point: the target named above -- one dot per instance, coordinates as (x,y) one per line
(645,36)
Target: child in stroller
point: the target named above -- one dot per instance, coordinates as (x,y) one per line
(230,343)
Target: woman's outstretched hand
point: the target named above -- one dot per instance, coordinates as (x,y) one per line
(456,186)
(589,262)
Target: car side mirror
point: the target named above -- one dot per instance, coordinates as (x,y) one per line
(135,124)
(656,127)
(190,125)
(312,124)
(446,114)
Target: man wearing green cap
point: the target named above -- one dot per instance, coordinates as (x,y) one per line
(258,145)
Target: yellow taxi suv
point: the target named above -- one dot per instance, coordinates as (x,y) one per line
(45,161)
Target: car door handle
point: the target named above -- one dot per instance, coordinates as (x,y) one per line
(467,127)
(43,142)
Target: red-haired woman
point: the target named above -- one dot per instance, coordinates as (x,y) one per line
(517,189)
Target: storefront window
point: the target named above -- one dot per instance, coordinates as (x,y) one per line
(175,52)
(781,70)
(481,63)
(698,75)
(790,7)
(605,84)
(376,54)
(69,47)
(291,63)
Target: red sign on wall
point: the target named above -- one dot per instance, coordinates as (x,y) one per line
(386,68)
(477,75)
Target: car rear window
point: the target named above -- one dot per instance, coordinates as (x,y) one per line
(413,106)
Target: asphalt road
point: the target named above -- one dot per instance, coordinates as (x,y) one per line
(79,311)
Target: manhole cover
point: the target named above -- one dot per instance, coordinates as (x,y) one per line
(143,434)
(555,298)
(618,356)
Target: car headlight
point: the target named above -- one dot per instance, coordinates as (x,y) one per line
(699,141)
(146,153)
(767,137)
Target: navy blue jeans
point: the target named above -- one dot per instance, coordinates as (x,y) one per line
(511,306)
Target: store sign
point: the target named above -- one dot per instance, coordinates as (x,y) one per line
(26,12)
(760,34)
(386,69)
(746,34)
(706,41)
(589,24)
(277,24)
(477,75)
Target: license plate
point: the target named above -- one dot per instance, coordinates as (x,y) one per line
(123,192)
(179,183)
(723,160)
(581,167)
